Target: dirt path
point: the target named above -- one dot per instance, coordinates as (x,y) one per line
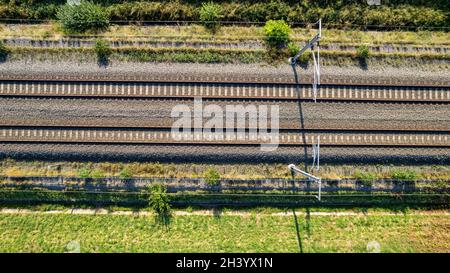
(219,213)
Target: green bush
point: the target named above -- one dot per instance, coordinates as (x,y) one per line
(305,57)
(86,16)
(153,11)
(125,173)
(212,176)
(103,51)
(362,52)
(159,202)
(97,174)
(355,14)
(277,33)
(293,49)
(12,11)
(405,175)
(4,51)
(44,11)
(367,178)
(84,173)
(210,14)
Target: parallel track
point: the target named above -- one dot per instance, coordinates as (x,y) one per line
(211,90)
(160,136)
(218,78)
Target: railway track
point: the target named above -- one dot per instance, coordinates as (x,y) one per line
(212,90)
(165,136)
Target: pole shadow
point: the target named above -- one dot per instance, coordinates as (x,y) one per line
(305,149)
(297,228)
(301,116)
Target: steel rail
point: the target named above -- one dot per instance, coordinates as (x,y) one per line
(211,90)
(243,78)
(327,138)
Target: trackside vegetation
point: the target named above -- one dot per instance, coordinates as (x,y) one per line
(83,17)
(362,51)
(277,33)
(159,202)
(10,167)
(342,14)
(4,51)
(103,51)
(210,15)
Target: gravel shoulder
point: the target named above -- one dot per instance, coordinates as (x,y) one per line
(222,154)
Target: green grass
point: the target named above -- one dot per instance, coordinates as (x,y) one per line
(223,233)
(232,33)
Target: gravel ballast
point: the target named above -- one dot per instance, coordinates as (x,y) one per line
(140,113)
(221,154)
(157,113)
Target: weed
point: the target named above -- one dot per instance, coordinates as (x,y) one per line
(159,202)
(212,176)
(362,52)
(4,51)
(366,178)
(125,173)
(210,14)
(103,51)
(405,175)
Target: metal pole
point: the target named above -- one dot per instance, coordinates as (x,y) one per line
(292,167)
(318,153)
(320,189)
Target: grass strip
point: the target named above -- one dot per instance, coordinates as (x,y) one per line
(223,233)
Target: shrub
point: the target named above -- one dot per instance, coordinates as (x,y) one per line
(276,10)
(97,174)
(12,11)
(103,51)
(362,51)
(405,175)
(210,14)
(153,11)
(4,51)
(212,176)
(305,57)
(84,173)
(366,178)
(86,16)
(356,14)
(44,11)
(125,173)
(293,49)
(159,202)
(277,33)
